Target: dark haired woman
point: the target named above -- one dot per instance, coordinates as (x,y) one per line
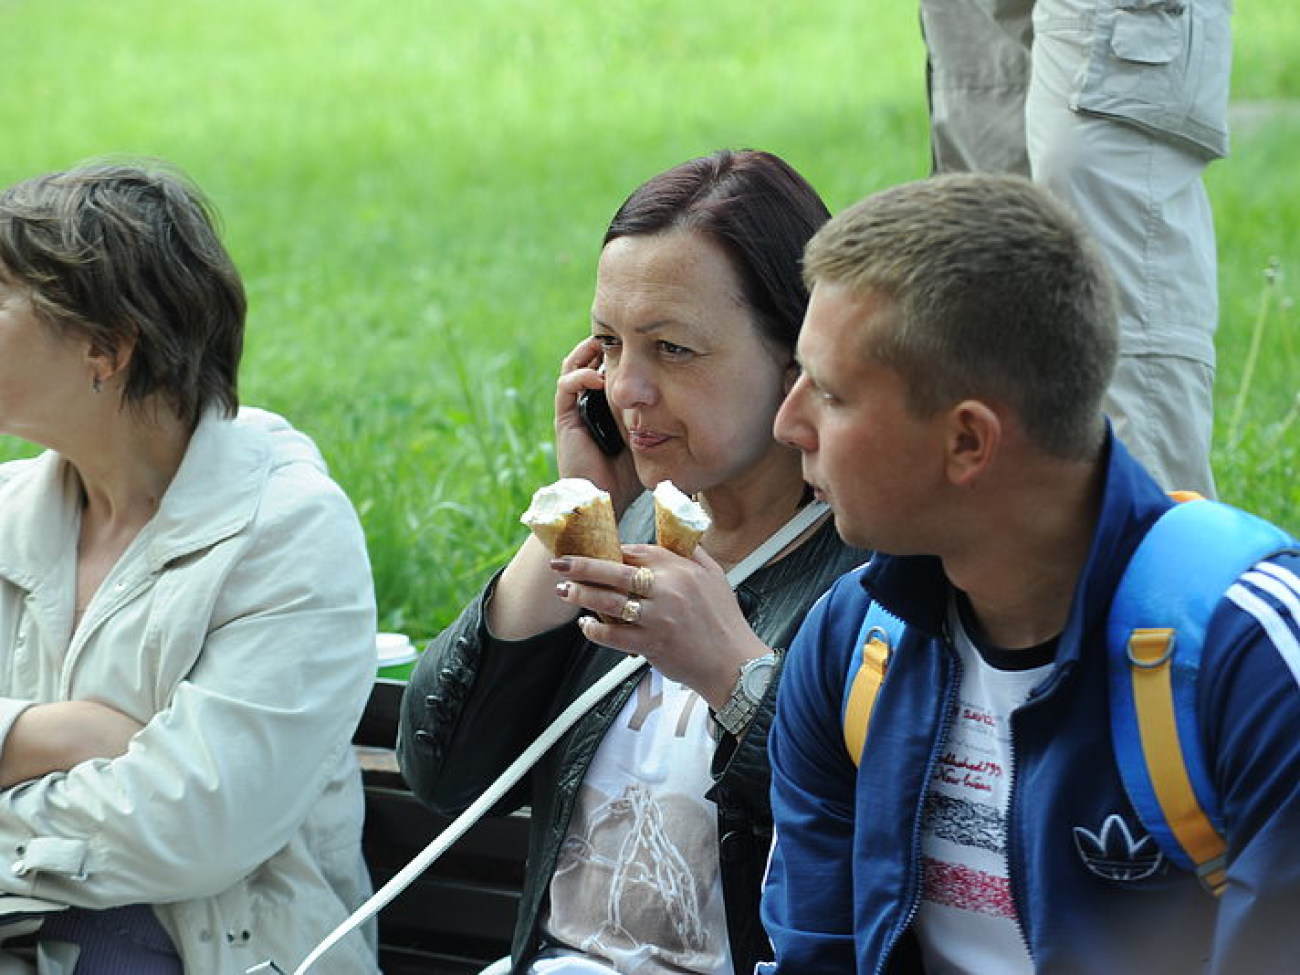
(650,819)
(186,611)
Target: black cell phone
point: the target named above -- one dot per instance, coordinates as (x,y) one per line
(593,407)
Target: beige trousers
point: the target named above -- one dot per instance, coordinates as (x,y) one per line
(1117,106)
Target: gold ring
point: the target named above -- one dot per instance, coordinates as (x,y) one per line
(631,611)
(643,582)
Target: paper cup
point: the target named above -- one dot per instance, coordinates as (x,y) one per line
(395,655)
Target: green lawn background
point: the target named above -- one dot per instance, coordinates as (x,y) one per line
(415,192)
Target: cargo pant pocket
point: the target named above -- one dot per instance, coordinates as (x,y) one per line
(1162,65)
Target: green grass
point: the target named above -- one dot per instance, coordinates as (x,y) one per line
(415,192)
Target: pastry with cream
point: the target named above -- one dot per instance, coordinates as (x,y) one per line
(574,517)
(679,521)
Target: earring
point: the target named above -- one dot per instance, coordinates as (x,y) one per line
(95,384)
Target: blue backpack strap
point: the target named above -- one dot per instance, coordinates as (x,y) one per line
(880,633)
(1155,635)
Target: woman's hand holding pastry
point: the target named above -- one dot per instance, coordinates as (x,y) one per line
(679,613)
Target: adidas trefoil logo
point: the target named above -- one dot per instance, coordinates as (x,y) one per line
(1113,854)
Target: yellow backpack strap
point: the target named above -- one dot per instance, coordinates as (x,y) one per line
(1155,635)
(1151,659)
(876,640)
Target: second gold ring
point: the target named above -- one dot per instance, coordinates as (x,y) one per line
(631,611)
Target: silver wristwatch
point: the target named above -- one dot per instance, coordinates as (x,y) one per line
(739,710)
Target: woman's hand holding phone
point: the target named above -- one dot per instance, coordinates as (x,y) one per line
(586,433)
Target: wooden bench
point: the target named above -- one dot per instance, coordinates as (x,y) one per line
(458,916)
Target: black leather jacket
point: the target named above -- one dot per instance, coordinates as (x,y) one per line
(475,703)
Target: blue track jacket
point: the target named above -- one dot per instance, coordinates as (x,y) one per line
(845,877)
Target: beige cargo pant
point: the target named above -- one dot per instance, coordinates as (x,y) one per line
(1117,106)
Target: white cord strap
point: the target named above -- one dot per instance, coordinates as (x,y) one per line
(787,533)
(458,826)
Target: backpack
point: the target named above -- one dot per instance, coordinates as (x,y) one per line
(1155,634)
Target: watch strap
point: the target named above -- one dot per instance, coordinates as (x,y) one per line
(741,706)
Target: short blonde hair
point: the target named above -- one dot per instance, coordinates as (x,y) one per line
(998,292)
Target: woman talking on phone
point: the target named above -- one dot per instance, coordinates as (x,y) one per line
(650,821)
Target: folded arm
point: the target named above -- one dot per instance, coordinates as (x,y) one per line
(57,736)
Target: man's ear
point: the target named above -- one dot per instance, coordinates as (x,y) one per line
(974,434)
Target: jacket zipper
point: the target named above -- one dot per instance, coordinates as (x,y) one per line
(1011,820)
(1036,697)
(119,596)
(914,902)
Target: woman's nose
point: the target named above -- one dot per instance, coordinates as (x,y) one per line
(628,384)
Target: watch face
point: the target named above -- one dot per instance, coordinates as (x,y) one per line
(755,677)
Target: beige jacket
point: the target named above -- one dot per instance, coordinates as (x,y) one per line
(239,628)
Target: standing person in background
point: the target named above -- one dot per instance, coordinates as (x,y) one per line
(650,819)
(1117,107)
(186,611)
(948,787)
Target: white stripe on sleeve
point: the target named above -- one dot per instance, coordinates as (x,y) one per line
(1282,634)
(1277,588)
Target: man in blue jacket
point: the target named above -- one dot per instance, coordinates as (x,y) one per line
(960,338)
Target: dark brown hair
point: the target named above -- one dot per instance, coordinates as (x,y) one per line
(756,207)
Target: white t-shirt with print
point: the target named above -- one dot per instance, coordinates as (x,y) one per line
(967,921)
(637,884)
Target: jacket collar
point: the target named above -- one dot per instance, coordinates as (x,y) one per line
(915,589)
(214,495)
(40,513)
(1131,503)
(216,489)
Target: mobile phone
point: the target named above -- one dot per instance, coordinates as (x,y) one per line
(593,407)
